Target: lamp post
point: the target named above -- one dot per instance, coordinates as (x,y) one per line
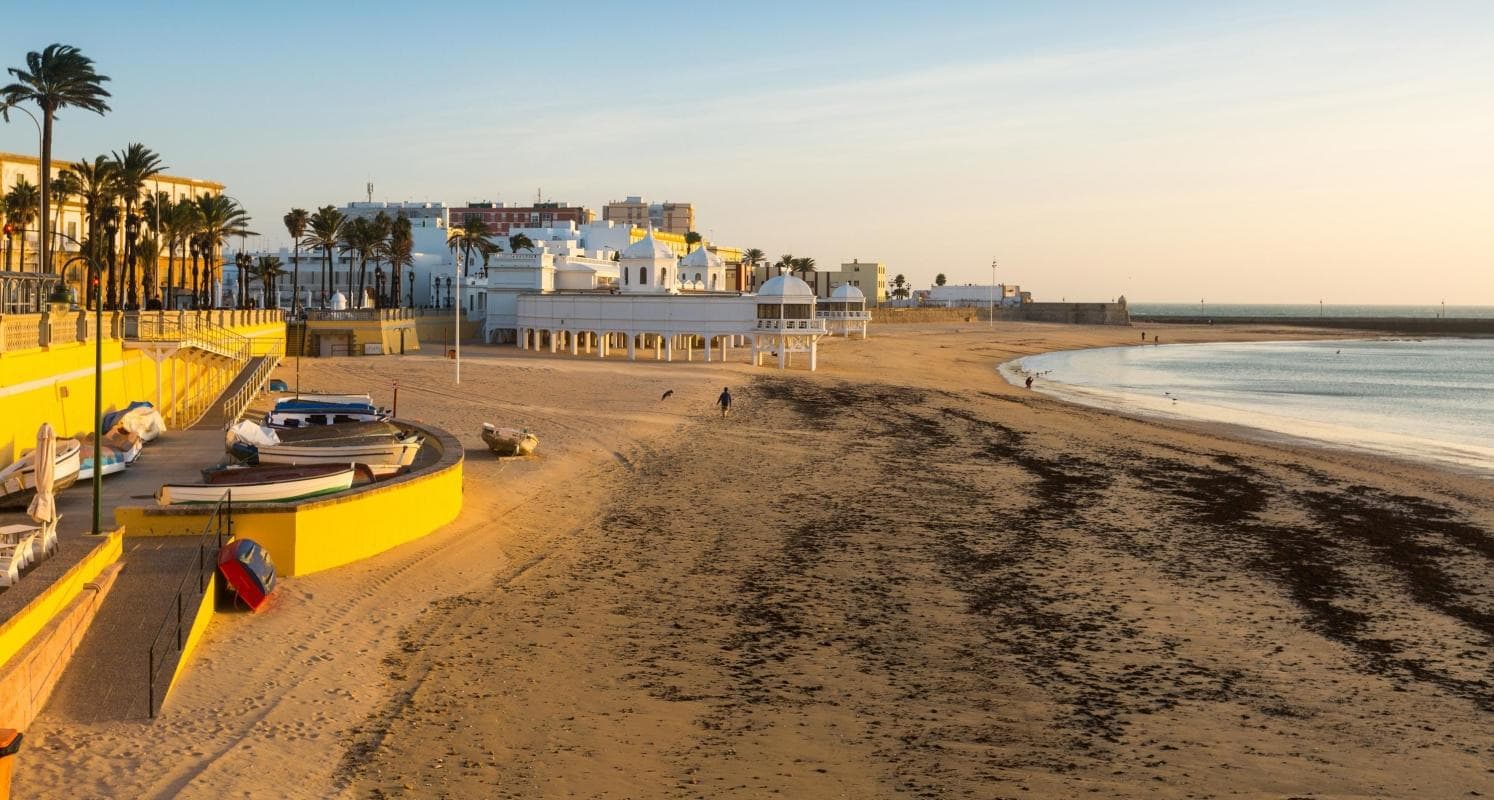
(411,296)
(456,310)
(992,321)
(132,235)
(42,262)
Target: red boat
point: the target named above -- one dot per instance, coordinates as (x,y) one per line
(248,569)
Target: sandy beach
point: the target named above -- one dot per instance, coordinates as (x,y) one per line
(898,576)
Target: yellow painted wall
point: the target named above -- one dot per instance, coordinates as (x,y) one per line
(205,611)
(322,534)
(17,631)
(55,384)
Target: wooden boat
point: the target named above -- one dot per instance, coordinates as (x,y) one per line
(248,569)
(346,430)
(268,484)
(113,461)
(384,455)
(18,481)
(509,441)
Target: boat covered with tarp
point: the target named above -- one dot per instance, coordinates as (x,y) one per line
(384,448)
(18,481)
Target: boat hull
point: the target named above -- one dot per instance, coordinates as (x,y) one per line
(286,490)
(307,418)
(383,458)
(509,441)
(18,481)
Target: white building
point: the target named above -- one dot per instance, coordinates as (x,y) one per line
(975,295)
(845,311)
(646,300)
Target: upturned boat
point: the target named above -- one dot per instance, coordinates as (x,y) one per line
(18,481)
(509,441)
(384,455)
(267,484)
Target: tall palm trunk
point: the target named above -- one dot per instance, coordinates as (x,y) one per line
(296,278)
(22,266)
(43,264)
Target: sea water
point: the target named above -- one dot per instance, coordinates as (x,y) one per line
(1309,310)
(1427,399)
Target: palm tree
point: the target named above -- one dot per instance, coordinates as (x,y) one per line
(244,267)
(21,205)
(472,235)
(97,182)
(178,224)
(155,212)
(221,218)
(804,266)
(691,239)
(268,270)
(64,186)
(296,221)
(378,233)
(136,165)
(400,252)
(899,286)
(357,242)
(940,280)
(519,242)
(56,78)
(785,263)
(326,232)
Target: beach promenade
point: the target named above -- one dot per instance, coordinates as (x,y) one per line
(899,576)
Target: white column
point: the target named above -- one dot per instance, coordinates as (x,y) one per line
(707,342)
(658,346)
(586,339)
(814,349)
(782,352)
(669,348)
(572,336)
(632,343)
(689,347)
(553,338)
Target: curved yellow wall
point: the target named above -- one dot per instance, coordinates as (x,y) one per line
(311,536)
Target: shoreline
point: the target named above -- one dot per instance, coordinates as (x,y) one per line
(1409,326)
(896,575)
(1253,425)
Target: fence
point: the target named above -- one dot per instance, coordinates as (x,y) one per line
(30,331)
(217,529)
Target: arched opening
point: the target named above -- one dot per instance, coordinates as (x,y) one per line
(697,277)
(713,283)
(626,270)
(643,276)
(663,277)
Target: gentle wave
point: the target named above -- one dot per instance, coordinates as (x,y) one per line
(1429,399)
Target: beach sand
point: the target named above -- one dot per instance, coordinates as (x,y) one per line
(899,576)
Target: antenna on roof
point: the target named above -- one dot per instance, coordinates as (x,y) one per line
(369,187)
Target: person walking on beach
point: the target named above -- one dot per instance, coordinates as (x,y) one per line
(724,401)
(1143,336)
(1029,381)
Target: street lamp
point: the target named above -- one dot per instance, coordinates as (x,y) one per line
(993,294)
(132,235)
(42,257)
(111,227)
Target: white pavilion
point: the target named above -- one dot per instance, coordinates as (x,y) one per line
(845,312)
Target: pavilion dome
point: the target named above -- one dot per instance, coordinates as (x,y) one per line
(786,286)
(846,291)
(648,247)
(701,257)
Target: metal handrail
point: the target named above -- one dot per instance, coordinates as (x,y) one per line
(234,406)
(218,528)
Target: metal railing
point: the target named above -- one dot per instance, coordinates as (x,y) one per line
(197,580)
(234,406)
(806,325)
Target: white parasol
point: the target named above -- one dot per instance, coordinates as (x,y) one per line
(43,507)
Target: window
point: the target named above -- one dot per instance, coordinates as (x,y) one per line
(643,276)
(625,275)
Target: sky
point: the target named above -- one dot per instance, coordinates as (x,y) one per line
(1165,151)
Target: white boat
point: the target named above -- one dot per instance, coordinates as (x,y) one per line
(273,484)
(18,481)
(331,415)
(384,455)
(509,441)
(329,399)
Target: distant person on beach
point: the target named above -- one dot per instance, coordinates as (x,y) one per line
(1143,336)
(724,401)
(1156,339)
(1029,381)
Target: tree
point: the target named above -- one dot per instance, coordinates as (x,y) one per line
(179,223)
(221,218)
(378,234)
(56,78)
(135,166)
(326,233)
(519,242)
(269,269)
(940,280)
(691,239)
(900,286)
(784,264)
(156,212)
(804,266)
(399,251)
(472,235)
(22,203)
(358,241)
(64,186)
(98,183)
(296,221)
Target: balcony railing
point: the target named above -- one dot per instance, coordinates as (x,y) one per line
(30,331)
(850,315)
(805,325)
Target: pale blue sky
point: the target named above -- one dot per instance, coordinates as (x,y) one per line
(1168,151)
